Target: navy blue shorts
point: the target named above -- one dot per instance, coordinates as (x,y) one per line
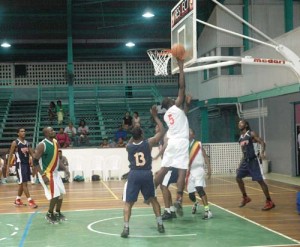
(139,180)
(23,173)
(171,177)
(250,168)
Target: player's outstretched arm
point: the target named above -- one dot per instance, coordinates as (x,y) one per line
(187,103)
(162,150)
(181,91)
(155,139)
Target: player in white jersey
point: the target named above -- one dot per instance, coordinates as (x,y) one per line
(176,153)
(195,179)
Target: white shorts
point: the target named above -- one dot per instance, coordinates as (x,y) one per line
(176,154)
(55,187)
(196,180)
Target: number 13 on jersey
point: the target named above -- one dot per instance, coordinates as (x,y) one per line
(139,159)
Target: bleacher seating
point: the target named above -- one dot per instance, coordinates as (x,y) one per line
(103,112)
(87,110)
(20,114)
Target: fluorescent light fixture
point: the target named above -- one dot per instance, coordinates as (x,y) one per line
(130,44)
(148,14)
(5,45)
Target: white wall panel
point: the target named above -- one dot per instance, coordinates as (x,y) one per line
(226,21)
(208,39)
(259,78)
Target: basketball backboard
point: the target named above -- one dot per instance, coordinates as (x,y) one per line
(183,31)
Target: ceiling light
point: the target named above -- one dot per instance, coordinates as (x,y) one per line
(130,44)
(148,14)
(5,45)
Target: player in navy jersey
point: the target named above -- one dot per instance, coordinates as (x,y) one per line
(21,148)
(140,176)
(249,165)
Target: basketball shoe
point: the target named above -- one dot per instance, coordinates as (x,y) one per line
(194,208)
(207,215)
(269,205)
(173,214)
(125,232)
(32,204)
(245,200)
(51,218)
(60,217)
(178,207)
(166,215)
(18,202)
(160,228)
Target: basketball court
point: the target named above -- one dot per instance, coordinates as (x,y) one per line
(94,212)
(94,209)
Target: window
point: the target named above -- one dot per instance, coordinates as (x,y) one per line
(234,69)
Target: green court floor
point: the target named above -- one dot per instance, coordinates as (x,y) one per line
(103,228)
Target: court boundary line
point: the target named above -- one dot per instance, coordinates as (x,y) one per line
(223,209)
(251,221)
(111,192)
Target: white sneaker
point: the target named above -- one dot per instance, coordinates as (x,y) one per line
(207,215)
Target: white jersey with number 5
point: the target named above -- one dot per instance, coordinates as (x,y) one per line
(177,122)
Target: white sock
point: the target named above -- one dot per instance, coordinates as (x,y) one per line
(172,209)
(168,210)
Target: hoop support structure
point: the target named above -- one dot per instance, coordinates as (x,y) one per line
(292,60)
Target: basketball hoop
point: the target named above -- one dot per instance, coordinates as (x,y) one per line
(160,58)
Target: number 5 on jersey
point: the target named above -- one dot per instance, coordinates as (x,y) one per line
(171,119)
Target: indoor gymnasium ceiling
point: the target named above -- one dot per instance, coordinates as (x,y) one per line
(37,29)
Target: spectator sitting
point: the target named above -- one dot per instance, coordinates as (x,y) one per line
(120,133)
(127,121)
(83,132)
(136,119)
(60,112)
(70,130)
(121,143)
(52,111)
(62,139)
(105,143)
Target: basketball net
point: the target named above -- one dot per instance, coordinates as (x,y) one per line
(160,58)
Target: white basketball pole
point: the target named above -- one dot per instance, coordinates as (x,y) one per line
(283,50)
(210,66)
(245,22)
(235,34)
(293,60)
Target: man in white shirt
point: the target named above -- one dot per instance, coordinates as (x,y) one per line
(176,154)
(71,131)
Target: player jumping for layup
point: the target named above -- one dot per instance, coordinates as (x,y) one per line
(177,152)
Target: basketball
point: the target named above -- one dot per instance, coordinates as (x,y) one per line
(178,51)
